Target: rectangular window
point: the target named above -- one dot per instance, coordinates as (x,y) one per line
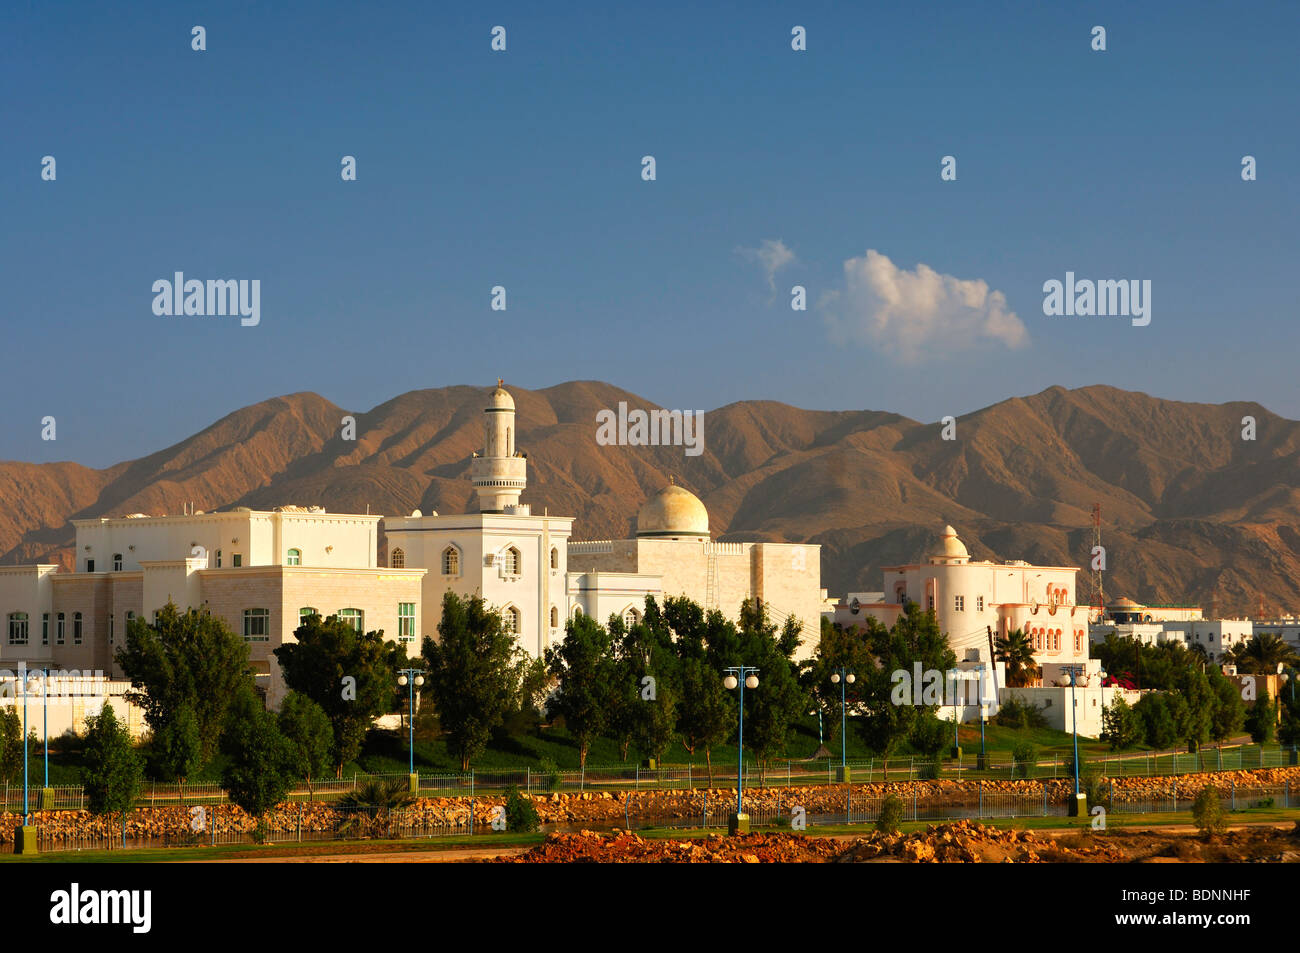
(929,603)
(90,565)
(304,613)
(236,559)
(45,628)
(352,617)
(58,630)
(959,603)
(18,628)
(110,628)
(76,628)
(257,625)
(979,606)
(406,622)
(117,562)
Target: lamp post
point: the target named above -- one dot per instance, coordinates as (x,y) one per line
(411,677)
(820,743)
(983,762)
(745,676)
(1078,807)
(843,677)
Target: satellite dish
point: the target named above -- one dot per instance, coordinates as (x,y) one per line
(855,605)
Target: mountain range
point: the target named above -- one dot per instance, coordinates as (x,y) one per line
(1191,512)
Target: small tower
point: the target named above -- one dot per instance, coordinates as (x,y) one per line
(499,473)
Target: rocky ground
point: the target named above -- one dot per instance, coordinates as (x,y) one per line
(608,808)
(961,842)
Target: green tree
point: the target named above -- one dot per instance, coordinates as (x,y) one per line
(185,660)
(351,675)
(839,648)
(1120,725)
(915,637)
(306,728)
(473,674)
(521,815)
(177,749)
(1207,811)
(1194,687)
(645,694)
(1158,726)
(778,702)
(706,711)
(1229,712)
(11,743)
(261,767)
(114,771)
(580,664)
(1261,720)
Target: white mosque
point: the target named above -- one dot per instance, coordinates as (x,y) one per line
(529,567)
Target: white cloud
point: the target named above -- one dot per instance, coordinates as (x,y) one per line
(918,314)
(773,255)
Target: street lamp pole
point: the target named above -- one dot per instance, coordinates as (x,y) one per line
(411,677)
(742,676)
(843,677)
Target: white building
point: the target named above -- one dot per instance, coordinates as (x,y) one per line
(978,601)
(514,559)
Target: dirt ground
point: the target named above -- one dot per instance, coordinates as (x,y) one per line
(960,842)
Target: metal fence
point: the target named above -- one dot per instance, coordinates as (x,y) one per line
(333,824)
(997,766)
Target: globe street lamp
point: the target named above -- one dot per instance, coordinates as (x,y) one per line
(411,678)
(744,676)
(843,677)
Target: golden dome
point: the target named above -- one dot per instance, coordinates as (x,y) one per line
(673,511)
(952,547)
(500,398)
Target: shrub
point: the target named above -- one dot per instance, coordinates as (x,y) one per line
(930,769)
(1017,714)
(521,816)
(1207,811)
(891,813)
(1024,756)
(551,772)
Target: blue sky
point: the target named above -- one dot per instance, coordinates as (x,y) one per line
(523,169)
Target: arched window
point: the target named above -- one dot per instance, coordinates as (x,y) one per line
(18,628)
(555,558)
(305,613)
(218,559)
(511,557)
(294,558)
(555,618)
(451,561)
(510,616)
(631,617)
(577,611)
(76,628)
(117,562)
(397,559)
(353,617)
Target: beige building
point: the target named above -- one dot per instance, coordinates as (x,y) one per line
(260,571)
(673,554)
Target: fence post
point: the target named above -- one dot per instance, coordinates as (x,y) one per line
(638,777)
(914,802)
(1175,792)
(1287,795)
(1234,793)
(690,777)
(582,780)
(528,780)
(300,822)
(1044,800)
(1219,749)
(981,809)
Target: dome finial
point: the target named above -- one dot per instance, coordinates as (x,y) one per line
(500,382)
(672,480)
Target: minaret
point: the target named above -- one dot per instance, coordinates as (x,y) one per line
(499,473)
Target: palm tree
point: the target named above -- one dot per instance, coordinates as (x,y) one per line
(1262,654)
(369,807)
(1016,652)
